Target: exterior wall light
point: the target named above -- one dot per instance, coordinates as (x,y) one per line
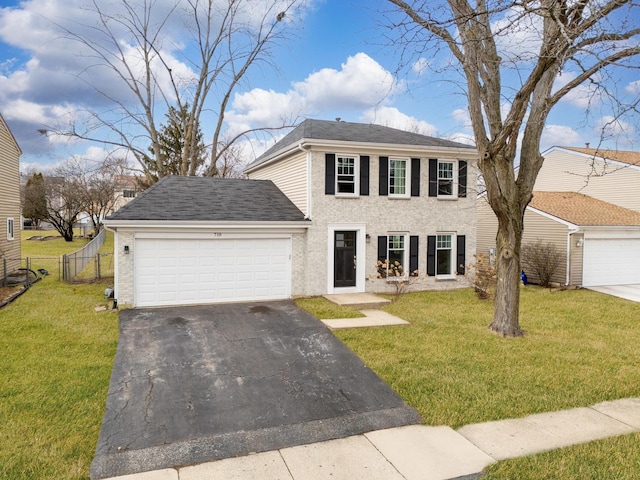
(126,249)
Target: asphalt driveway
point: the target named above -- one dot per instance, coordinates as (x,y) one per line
(196,384)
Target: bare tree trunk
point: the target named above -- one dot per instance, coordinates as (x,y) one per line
(506,318)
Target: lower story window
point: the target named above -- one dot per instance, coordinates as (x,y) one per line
(396,255)
(444,255)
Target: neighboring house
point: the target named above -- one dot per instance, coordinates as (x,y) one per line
(9,200)
(127,188)
(320,208)
(585,202)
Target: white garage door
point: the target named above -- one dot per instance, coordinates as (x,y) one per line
(611,261)
(189,271)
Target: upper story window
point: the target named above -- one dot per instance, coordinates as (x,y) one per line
(129,193)
(445,179)
(10,229)
(399,174)
(346,175)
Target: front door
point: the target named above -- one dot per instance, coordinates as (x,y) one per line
(344,268)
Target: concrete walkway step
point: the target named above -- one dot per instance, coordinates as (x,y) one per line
(359,301)
(372,318)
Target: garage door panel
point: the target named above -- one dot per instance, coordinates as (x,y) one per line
(182,272)
(611,261)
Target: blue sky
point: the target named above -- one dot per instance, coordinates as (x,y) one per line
(336,64)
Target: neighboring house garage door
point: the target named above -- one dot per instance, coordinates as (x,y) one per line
(611,262)
(190,271)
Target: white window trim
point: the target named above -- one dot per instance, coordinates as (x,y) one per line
(454,188)
(11,228)
(405,256)
(452,261)
(356,174)
(407,180)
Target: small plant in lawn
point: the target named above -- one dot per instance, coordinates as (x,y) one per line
(394,273)
(482,275)
(541,259)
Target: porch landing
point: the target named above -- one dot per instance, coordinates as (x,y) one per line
(359,301)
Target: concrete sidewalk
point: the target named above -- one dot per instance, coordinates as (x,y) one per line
(420,452)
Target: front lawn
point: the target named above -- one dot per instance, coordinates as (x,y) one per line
(581,348)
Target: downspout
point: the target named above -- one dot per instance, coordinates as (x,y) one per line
(301,147)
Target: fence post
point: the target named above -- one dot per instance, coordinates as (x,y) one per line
(98,272)
(4,272)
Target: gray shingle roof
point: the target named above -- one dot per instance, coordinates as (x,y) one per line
(211,199)
(353,132)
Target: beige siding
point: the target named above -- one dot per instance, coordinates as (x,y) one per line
(290,176)
(576,255)
(564,171)
(9,196)
(536,227)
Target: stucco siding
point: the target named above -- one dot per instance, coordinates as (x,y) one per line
(9,198)
(290,176)
(564,171)
(380,215)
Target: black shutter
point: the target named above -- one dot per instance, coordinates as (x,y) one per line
(364,175)
(433,177)
(415,177)
(431,255)
(382,248)
(413,254)
(384,176)
(462,178)
(329,174)
(461,258)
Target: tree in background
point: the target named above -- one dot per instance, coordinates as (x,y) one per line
(34,200)
(172,149)
(512,85)
(190,54)
(65,199)
(100,190)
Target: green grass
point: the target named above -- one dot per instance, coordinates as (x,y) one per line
(57,356)
(581,348)
(46,253)
(613,458)
(323,308)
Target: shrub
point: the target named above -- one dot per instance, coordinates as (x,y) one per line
(482,275)
(542,260)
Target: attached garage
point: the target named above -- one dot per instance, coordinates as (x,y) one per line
(611,261)
(195,240)
(197,271)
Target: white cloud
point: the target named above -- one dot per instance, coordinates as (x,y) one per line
(420,66)
(633,87)
(582,96)
(394,118)
(361,83)
(611,127)
(462,117)
(559,135)
(518,35)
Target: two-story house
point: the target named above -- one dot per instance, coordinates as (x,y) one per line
(9,200)
(319,210)
(586,203)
